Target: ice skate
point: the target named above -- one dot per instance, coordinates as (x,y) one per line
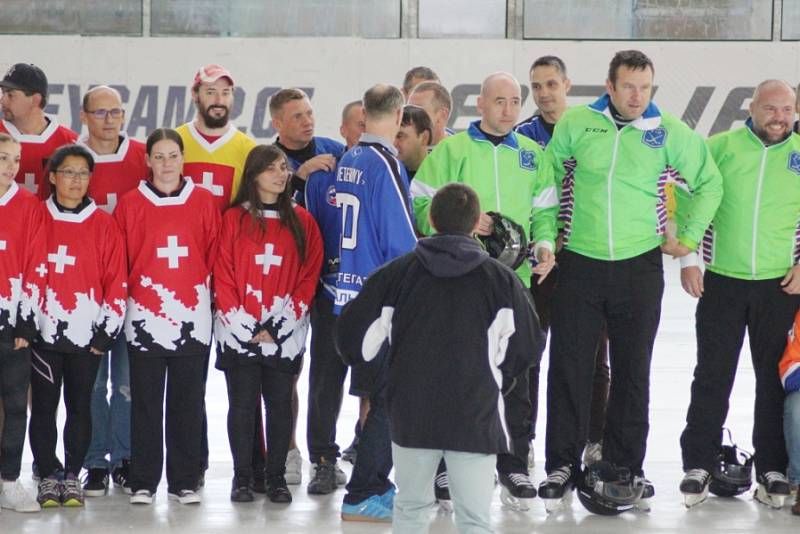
(772,489)
(694,487)
(441,490)
(556,489)
(516,491)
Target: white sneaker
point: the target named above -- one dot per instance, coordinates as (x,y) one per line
(185,497)
(142,496)
(294,467)
(15,497)
(341,476)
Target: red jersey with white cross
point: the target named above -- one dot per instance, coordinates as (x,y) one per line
(36,152)
(171,245)
(116,174)
(261,282)
(23,263)
(86,280)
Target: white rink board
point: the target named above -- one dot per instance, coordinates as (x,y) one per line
(157,72)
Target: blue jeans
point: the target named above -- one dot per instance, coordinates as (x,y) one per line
(374,459)
(111,422)
(791,432)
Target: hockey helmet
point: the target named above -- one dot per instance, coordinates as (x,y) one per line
(606,489)
(508,242)
(733,472)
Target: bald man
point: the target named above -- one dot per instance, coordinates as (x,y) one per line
(751,284)
(508,173)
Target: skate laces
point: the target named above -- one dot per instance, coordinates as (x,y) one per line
(699,475)
(774,476)
(441,480)
(520,479)
(560,475)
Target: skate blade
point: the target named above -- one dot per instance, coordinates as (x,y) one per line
(690,500)
(513,503)
(773,500)
(552,506)
(445,507)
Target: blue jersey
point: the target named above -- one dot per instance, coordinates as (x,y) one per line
(375,214)
(322,145)
(320,201)
(533,128)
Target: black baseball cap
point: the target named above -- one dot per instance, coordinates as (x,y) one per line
(27,78)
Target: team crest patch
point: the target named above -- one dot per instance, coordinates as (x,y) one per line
(654,138)
(794,162)
(527,159)
(330,196)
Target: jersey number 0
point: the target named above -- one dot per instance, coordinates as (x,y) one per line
(350,206)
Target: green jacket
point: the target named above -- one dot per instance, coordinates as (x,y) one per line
(511,179)
(613,202)
(755,234)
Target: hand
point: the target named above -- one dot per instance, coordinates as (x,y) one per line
(675,248)
(791,282)
(322,162)
(692,281)
(95,351)
(20,343)
(262,337)
(485,225)
(546,261)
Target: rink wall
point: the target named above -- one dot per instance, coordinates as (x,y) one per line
(708,84)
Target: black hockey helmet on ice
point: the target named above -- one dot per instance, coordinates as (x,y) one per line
(733,473)
(508,242)
(606,489)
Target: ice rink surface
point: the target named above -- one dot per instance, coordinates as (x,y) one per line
(673,362)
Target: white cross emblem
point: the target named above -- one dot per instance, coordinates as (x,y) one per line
(30,182)
(42,270)
(172,251)
(268,259)
(2,245)
(208,183)
(61,259)
(111,203)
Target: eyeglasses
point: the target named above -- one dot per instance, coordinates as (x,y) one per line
(103,113)
(70,174)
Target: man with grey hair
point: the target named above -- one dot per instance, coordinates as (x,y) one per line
(436,101)
(119,165)
(352,123)
(416,76)
(549,87)
(377,226)
(751,284)
(508,173)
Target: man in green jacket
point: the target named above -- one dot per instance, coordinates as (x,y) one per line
(509,174)
(750,284)
(613,159)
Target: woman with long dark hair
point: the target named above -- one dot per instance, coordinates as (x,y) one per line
(265,278)
(170,228)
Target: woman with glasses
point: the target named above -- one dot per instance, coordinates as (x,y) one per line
(170,229)
(83,313)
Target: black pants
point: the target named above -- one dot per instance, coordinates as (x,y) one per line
(77,372)
(542,298)
(626,296)
(518,421)
(728,307)
(246,383)
(15,376)
(182,422)
(326,383)
(370,474)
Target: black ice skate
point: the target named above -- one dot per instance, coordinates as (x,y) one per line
(516,490)
(694,487)
(556,489)
(772,489)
